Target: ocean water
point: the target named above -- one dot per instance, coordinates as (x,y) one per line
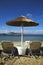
(25,38)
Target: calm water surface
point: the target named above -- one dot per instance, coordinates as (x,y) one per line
(18,38)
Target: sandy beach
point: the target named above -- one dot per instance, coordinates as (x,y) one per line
(25,60)
(22,61)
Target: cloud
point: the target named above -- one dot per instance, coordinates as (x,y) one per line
(25,31)
(7,31)
(38,32)
(33,31)
(29,15)
(37,17)
(3,31)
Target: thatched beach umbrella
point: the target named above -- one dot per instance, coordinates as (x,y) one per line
(23,22)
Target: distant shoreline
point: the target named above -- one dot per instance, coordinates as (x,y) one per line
(20,34)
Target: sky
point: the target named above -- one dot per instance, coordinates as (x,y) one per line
(11,9)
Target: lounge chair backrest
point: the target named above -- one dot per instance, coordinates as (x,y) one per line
(7,46)
(42,44)
(35,45)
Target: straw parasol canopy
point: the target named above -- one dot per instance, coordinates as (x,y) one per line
(23,22)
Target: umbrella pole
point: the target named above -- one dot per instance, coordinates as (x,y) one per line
(21,34)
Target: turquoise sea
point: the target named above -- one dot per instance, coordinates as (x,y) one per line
(26,38)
